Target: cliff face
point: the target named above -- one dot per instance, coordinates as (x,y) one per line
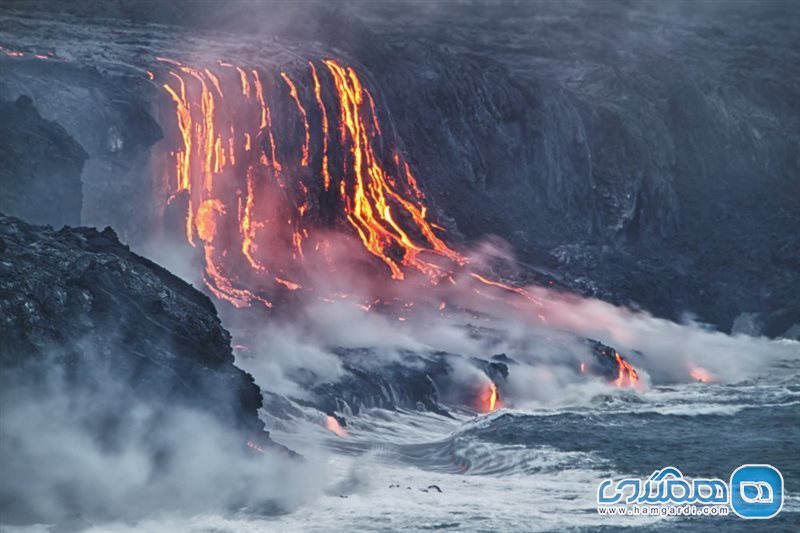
(40,167)
(648,155)
(116,382)
(645,156)
(82,297)
(112,124)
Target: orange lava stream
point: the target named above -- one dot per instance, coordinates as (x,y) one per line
(382,203)
(626,374)
(201,158)
(303,114)
(326,176)
(184,117)
(373,205)
(248,225)
(490,399)
(266,119)
(522,292)
(245,83)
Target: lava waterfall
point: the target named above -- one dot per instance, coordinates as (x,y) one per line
(269,164)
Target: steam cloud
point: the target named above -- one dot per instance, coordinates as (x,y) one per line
(86,446)
(543,333)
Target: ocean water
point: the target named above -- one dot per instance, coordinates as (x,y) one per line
(535,469)
(532,469)
(538,470)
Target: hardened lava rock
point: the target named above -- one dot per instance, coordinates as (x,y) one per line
(79,303)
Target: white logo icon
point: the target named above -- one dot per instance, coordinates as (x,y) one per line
(763,491)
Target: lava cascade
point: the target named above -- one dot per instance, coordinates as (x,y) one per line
(227,172)
(264,160)
(626,374)
(490,399)
(252,193)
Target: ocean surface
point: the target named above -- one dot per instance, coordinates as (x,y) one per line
(535,469)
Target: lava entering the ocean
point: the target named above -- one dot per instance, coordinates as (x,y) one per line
(268,167)
(701,374)
(332,425)
(490,399)
(626,374)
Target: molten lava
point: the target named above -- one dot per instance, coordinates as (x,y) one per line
(490,399)
(332,425)
(626,374)
(268,164)
(701,374)
(248,197)
(253,446)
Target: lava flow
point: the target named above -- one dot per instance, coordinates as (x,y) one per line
(626,374)
(249,193)
(332,425)
(701,374)
(490,399)
(268,166)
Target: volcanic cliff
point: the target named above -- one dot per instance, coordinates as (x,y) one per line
(121,345)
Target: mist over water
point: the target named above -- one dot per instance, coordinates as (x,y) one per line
(87,445)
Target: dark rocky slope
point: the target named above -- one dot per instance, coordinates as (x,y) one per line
(648,154)
(77,291)
(108,336)
(40,167)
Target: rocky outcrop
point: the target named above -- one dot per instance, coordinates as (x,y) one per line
(105,357)
(78,297)
(40,167)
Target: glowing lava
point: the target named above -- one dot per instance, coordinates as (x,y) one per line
(373,201)
(253,446)
(262,195)
(626,374)
(490,399)
(332,425)
(244,203)
(701,374)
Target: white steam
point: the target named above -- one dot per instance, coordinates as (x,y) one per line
(98,451)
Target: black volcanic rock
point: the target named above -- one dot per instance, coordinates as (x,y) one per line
(413,384)
(40,167)
(121,340)
(106,356)
(79,297)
